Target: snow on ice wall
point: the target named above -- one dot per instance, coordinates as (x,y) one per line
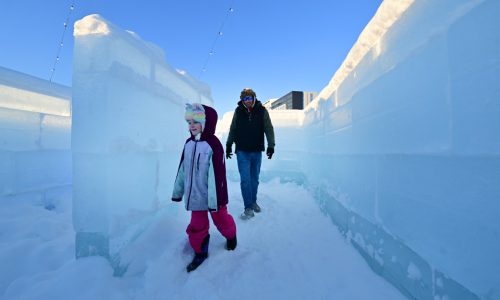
(35,137)
(408,130)
(128,133)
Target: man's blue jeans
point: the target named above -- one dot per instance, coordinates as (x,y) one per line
(249,168)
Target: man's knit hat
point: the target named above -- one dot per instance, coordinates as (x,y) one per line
(195,112)
(248,92)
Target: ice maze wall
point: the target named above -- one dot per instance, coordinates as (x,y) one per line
(128,135)
(35,139)
(404,149)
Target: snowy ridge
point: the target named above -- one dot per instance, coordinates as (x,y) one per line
(24,92)
(389,12)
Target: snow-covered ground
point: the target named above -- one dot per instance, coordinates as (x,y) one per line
(289,251)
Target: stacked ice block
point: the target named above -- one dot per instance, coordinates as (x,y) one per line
(128,133)
(35,138)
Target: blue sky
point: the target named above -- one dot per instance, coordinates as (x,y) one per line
(272,46)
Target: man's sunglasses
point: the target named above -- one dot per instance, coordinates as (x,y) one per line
(248,98)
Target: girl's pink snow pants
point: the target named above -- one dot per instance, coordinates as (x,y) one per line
(197,229)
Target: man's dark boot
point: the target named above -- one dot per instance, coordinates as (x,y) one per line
(199,258)
(231,243)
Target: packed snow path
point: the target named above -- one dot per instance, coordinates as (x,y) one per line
(289,251)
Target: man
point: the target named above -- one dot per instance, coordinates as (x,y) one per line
(250,122)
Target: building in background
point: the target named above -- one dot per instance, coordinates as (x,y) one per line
(292,100)
(268,104)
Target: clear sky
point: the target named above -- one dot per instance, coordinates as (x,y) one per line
(273,46)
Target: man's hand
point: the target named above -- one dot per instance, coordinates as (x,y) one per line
(270,152)
(229,151)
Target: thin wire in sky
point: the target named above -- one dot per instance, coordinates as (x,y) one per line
(61,42)
(219,34)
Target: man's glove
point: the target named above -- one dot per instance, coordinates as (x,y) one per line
(229,151)
(270,152)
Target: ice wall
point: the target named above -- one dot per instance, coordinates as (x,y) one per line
(35,138)
(128,133)
(405,151)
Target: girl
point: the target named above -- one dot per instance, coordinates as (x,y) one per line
(201,181)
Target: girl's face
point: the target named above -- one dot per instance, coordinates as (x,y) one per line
(194,127)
